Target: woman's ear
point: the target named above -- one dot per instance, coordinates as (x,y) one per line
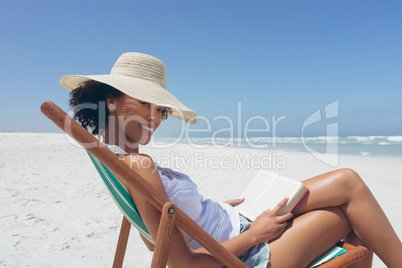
(110,103)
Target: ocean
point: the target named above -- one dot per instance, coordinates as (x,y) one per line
(351,145)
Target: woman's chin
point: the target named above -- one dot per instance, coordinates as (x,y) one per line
(146,141)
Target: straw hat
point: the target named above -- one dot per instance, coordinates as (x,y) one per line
(140,76)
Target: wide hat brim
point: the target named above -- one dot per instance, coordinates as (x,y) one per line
(141,89)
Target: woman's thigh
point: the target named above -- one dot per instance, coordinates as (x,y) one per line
(307,237)
(332,189)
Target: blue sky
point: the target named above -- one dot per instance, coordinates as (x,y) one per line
(278,58)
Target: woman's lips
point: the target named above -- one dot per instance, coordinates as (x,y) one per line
(148,128)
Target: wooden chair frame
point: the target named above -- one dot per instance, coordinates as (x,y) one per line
(171,215)
(354,254)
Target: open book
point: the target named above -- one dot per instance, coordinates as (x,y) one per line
(266,190)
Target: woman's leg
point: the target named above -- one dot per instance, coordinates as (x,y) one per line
(353,239)
(344,188)
(307,237)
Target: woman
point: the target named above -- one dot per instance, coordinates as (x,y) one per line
(127,106)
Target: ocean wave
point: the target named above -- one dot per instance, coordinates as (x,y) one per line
(384,143)
(380,140)
(365,140)
(395,138)
(358,145)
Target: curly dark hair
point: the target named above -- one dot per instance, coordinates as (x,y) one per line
(88,98)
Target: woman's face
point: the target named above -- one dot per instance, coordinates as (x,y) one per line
(135,120)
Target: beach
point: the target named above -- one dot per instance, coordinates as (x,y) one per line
(56,211)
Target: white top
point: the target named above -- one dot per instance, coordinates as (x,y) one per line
(220,220)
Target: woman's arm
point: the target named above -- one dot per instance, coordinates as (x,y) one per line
(181,255)
(266,227)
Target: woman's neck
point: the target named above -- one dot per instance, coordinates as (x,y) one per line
(121,140)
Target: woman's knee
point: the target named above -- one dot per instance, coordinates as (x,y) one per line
(349,180)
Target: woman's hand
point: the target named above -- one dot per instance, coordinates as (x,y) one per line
(269,225)
(235,202)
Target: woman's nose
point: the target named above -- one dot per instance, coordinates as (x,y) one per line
(153,113)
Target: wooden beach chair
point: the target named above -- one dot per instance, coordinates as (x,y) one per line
(105,161)
(124,202)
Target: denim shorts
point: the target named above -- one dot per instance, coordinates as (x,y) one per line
(256,256)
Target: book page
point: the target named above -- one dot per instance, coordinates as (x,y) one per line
(281,188)
(256,190)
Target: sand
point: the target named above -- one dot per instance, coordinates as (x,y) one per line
(55,210)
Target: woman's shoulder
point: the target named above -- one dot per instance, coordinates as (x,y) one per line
(137,160)
(140,162)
